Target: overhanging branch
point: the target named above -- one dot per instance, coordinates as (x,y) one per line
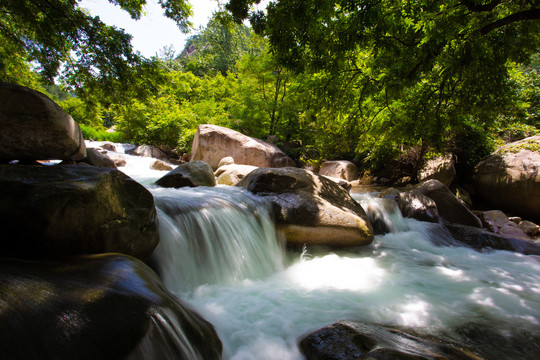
(533,14)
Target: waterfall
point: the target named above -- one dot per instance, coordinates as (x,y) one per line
(214,236)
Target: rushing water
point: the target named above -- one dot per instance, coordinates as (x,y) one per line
(219,253)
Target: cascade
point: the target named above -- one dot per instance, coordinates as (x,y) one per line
(219,253)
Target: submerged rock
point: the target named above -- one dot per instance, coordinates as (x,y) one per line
(310,209)
(96,307)
(192,174)
(33,127)
(212,143)
(72,210)
(348,340)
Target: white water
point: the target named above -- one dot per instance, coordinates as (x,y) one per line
(413,276)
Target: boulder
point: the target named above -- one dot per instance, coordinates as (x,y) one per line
(232,174)
(70,210)
(509,179)
(451,210)
(192,174)
(341,169)
(95,157)
(482,239)
(310,209)
(348,340)
(33,127)
(530,228)
(149,151)
(413,204)
(439,168)
(105,306)
(493,220)
(227,160)
(162,165)
(212,143)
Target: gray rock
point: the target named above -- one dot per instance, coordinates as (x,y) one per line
(70,210)
(310,209)
(33,127)
(440,168)
(413,204)
(341,169)
(192,174)
(95,157)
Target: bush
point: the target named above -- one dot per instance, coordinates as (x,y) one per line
(90,133)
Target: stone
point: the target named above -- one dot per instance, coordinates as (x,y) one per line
(149,151)
(107,306)
(512,230)
(33,127)
(481,239)
(530,228)
(212,143)
(348,340)
(232,174)
(413,204)
(60,210)
(509,179)
(493,220)
(310,209)
(227,160)
(95,157)
(162,165)
(440,168)
(341,169)
(192,174)
(450,209)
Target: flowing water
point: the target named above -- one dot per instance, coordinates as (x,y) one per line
(219,252)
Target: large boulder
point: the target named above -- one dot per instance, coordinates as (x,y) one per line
(212,143)
(310,209)
(450,209)
(69,209)
(341,169)
(440,168)
(510,178)
(96,157)
(106,306)
(348,340)
(33,127)
(192,174)
(413,204)
(232,174)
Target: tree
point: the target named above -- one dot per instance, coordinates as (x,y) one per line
(55,33)
(422,71)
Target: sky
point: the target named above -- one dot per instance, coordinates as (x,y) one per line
(152,32)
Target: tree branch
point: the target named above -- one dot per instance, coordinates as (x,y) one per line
(533,14)
(472,6)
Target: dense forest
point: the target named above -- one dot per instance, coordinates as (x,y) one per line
(376,82)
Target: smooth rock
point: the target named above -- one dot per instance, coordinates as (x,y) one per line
(96,307)
(440,168)
(70,210)
(228,160)
(212,143)
(97,158)
(341,169)
(192,174)
(33,127)
(310,209)
(413,204)
(232,174)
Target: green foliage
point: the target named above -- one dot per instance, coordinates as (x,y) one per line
(91,133)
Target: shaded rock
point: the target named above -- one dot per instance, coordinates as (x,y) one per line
(341,169)
(33,127)
(212,143)
(510,179)
(530,228)
(482,239)
(96,307)
(348,340)
(310,209)
(440,168)
(413,204)
(463,195)
(149,151)
(232,174)
(162,165)
(192,174)
(390,193)
(95,157)
(493,220)
(450,208)
(512,230)
(69,209)
(228,160)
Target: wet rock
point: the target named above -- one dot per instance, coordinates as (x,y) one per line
(212,143)
(310,209)
(95,157)
(69,209)
(493,220)
(348,340)
(96,307)
(149,151)
(192,174)
(33,127)
(162,165)
(413,204)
